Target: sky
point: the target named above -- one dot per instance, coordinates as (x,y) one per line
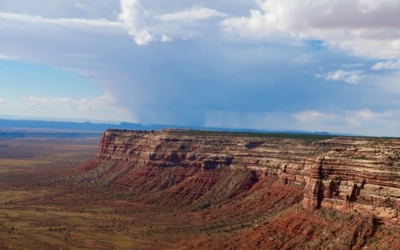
(314,65)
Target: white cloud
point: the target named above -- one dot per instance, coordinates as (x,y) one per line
(192,14)
(386,65)
(88,25)
(304,58)
(5,101)
(357,118)
(3,57)
(104,102)
(318,75)
(361,122)
(347,76)
(85,108)
(144,27)
(80,6)
(368,114)
(166,39)
(312,116)
(363,28)
(131,15)
(309,120)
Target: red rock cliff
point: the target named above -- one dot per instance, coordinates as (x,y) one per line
(348,174)
(362,177)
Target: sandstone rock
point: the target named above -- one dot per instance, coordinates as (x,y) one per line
(357,175)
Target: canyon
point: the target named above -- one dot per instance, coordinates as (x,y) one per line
(187,189)
(264,176)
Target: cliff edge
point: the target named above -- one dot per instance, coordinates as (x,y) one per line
(204,168)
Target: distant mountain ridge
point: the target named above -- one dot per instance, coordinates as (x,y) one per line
(7,124)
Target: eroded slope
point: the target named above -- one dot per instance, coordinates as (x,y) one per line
(262,188)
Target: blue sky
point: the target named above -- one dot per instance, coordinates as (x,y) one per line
(265,64)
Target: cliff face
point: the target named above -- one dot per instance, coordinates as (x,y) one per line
(204,168)
(201,168)
(363,177)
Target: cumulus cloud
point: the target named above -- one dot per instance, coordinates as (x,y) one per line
(361,122)
(347,76)
(386,65)
(361,27)
(368,114)
(304,58)
(85,108)
(132,12)
(5,101)
(357,118)
(192,14)
(166,39)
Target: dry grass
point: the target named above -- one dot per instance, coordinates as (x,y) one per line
(35,216)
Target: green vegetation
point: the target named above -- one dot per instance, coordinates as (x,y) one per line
(255,134)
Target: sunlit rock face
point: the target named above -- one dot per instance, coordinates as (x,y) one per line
(362,177)
(357,175)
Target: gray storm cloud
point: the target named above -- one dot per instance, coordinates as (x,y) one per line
(220,65)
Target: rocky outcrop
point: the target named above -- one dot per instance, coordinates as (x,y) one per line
(363,178)
(285,158)
(193,166)
(201,167)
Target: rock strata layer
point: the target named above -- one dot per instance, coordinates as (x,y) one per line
(362,177)
(199,167)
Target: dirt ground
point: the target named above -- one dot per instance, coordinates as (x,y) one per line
(37,212)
